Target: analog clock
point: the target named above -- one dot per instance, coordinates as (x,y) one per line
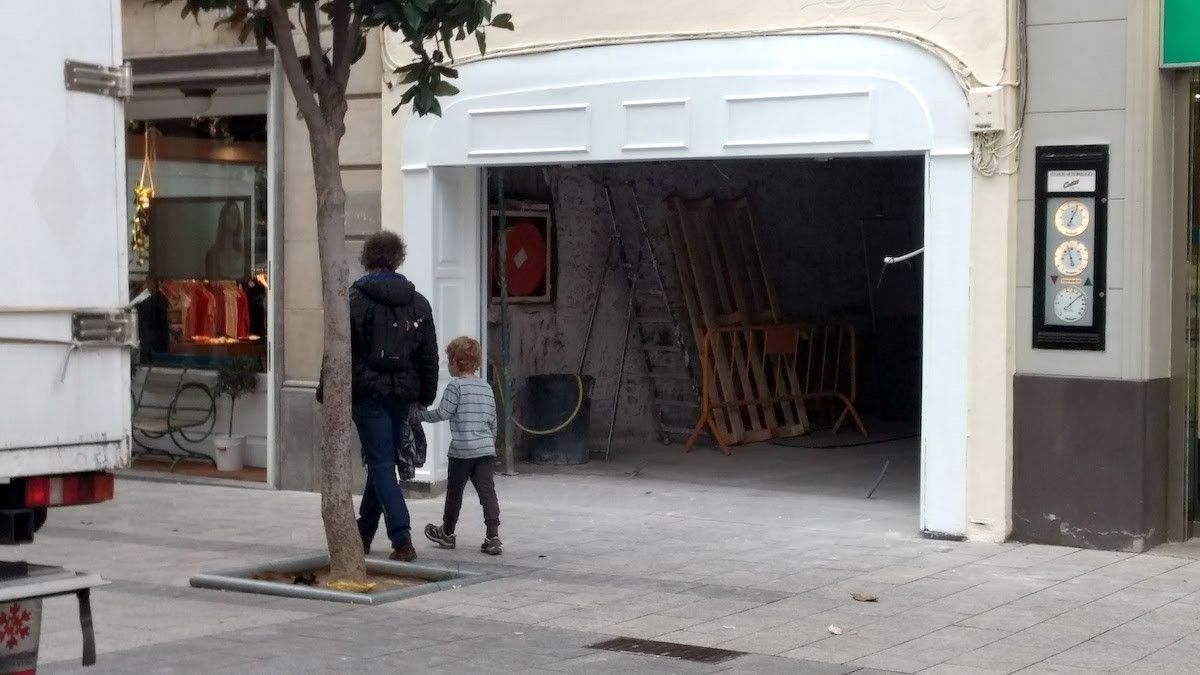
(1071,258)
(1070,304)
(1072,218)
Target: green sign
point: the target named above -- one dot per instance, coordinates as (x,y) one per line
(1181,33)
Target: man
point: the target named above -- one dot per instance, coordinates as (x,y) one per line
(395,366)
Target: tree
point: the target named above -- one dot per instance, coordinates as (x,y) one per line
(318,80)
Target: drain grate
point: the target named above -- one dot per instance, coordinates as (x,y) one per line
(672,650)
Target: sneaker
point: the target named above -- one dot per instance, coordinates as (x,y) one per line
(492,546)
(404,552)
(437,534)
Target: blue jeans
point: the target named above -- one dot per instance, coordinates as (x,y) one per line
(380,423)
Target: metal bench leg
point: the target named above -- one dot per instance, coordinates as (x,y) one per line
(85,623)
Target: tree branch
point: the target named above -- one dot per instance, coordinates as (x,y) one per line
(346,34)
(284,41)
(312,31)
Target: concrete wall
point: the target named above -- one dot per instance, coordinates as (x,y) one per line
(810,215)
(1095,80)
(302,314)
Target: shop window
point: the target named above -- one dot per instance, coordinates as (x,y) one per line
(198,205)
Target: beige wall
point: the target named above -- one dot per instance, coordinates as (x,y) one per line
(153,30)
(361,174)
(967,29)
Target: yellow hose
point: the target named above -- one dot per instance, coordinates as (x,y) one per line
(541,432)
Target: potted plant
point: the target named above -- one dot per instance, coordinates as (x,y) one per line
(236,377)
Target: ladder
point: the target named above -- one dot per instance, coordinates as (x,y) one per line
(655,319)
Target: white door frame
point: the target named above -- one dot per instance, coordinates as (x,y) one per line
(769,96)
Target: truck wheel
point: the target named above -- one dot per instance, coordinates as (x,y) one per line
(39,519)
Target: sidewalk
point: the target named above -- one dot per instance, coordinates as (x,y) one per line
(743,566)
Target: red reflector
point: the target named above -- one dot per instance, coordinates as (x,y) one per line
(37,491)
(74,490)
(104,487)
(69,490)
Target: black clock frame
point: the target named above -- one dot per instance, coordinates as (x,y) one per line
(1070,158)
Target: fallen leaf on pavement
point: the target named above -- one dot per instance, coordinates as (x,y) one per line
(862,597)
(835,630)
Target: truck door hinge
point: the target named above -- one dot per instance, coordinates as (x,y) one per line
(116,328)
(116,81)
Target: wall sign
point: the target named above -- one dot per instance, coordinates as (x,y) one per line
(1070,225)
(1180,39)
(529,247)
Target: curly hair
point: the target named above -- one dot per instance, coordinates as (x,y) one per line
(383,251)
(465,353)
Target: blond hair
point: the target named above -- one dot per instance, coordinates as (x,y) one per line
(465,353)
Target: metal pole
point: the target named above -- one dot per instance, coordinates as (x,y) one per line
(587,339)
(510,451)
(612,422)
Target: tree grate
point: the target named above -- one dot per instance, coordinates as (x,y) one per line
(672,650)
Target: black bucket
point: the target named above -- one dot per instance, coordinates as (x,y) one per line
(549,401)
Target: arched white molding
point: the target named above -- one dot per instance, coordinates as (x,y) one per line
(764,96)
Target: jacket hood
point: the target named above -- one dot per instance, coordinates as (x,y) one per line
(387,288)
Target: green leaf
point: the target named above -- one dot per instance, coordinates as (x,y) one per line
(413,16)
(444,88)
(482,40)
(503,21)
(360,48)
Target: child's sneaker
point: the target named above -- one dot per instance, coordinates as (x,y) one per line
(437,535)
(492,546)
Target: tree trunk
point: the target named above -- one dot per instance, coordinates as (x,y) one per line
(346,557)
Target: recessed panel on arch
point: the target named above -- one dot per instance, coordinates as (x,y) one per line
(797,119)
(656,124)
(532,130)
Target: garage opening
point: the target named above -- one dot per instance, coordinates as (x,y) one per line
(812,376)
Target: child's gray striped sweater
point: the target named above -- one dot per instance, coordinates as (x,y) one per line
(470,407)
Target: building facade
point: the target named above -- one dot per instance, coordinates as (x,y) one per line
(1019,436)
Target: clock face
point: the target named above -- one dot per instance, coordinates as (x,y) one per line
(1072,218)
(1070,304)
(1071,258)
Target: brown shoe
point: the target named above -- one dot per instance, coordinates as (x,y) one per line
(404,552)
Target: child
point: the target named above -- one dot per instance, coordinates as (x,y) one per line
(470,407)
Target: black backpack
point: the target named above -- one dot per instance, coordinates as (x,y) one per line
(394,333)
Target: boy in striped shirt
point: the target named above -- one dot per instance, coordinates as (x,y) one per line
(469,406)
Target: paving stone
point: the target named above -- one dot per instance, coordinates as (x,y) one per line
(930,650)
(1099,655)
(1026,648)
(1011,618)
(756,664)
(779,588)
(622,664)
(1046,668)
(947,669)
(778,640)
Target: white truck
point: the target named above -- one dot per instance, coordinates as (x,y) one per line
(66,326)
